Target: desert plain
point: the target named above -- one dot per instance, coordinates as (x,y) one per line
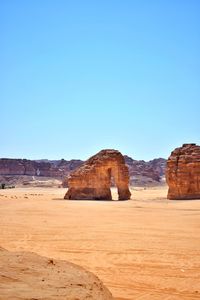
(146,248)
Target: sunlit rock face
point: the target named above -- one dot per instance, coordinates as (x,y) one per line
(183,172)
(92,180)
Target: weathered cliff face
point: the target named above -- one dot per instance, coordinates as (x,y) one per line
(93,179)
(141,173)
(37,168)
(183,172)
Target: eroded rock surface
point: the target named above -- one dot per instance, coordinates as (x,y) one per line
(183,172)
(26,275)
(93,179)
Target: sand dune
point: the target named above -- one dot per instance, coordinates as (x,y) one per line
(26,275)
(144,248)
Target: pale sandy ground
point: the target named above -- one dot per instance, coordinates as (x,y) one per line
(28,276)
(145,248)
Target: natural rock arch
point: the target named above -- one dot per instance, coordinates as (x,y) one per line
(183,172)
(92,180)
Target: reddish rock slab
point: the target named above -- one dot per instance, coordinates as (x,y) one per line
(93,179)
(183,172)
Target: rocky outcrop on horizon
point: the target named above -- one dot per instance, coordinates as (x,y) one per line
(183,172)
(142,172)
(92,180)
(45,168)
(15,171)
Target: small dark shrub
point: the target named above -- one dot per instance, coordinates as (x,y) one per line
(3,186)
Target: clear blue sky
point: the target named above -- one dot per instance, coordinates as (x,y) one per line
(80,76)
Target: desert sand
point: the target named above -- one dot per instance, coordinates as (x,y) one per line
(147,248)
(26,275)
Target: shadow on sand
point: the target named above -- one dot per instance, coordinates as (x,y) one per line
(92,200)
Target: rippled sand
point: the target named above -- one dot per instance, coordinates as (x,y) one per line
(146,248)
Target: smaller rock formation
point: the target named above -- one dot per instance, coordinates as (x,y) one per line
(183,172)
(93,179)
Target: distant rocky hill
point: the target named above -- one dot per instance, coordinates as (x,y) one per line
(145,173)
(47,168)
(14,170)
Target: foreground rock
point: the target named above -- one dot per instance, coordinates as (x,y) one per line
(25,275)
(93,179)
(183,172)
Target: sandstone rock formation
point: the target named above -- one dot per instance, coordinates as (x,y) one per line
(93,179)
(26,275)
(183,172)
